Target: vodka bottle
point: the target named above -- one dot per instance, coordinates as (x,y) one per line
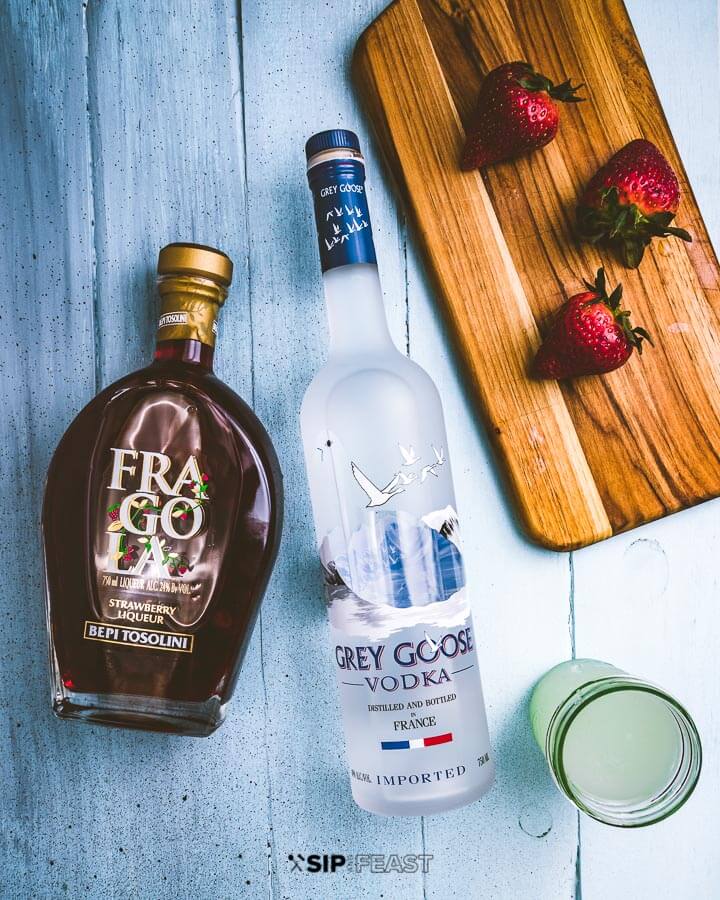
(403,642)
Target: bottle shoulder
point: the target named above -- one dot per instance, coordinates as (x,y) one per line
(164,399)
(168,380)
(365,377)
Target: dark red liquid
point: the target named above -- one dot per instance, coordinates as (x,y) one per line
(174,407)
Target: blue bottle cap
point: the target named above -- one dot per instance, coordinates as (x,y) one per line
(337,182)
(335,139)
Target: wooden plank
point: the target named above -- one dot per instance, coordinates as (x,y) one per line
(519,596)
(318,811)
(647,601)
(315,808)
(504,254)
(295,85)
(167,137)
(47,371)
(96,812)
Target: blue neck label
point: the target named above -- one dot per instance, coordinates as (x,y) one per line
(341,213)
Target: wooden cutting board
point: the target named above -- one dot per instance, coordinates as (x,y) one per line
(592,457)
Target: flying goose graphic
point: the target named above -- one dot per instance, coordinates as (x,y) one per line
(377,496)
(439,454)
(409,455)
(427,471)
(406,479)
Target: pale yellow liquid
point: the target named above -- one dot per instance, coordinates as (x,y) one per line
(622,748)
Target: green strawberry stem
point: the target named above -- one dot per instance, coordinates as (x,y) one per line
(564,92)
(632,251)
(634,336)
(625,226)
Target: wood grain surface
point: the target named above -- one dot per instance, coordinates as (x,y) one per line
(125,125)
(594,456)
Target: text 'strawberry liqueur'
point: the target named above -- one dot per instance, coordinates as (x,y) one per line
(161,523)
(403,641)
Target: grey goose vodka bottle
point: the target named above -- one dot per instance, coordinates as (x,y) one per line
(403,640)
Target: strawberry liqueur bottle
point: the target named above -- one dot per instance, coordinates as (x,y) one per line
(161,523)
(404,646)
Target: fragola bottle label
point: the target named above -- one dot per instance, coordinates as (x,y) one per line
(151,534)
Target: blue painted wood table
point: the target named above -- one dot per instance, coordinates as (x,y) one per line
(125,125)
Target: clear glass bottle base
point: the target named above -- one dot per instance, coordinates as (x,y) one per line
(421,806)
(146,713)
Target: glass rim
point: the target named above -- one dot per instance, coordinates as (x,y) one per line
(647,812)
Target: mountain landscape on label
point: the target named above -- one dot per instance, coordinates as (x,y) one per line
(398,563)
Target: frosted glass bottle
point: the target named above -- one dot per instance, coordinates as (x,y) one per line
(403,641)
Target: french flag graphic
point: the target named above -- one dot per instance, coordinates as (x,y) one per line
(417,743)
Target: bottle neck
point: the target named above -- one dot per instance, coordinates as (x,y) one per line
(355,309)
(185,351)
(188,319)
(356,314)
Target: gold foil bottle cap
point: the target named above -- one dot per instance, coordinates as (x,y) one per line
(193,283)
(195,259)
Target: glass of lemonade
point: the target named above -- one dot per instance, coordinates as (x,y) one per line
(621,749)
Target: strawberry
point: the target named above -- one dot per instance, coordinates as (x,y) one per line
(515,114)
(590,335)
(630,200)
